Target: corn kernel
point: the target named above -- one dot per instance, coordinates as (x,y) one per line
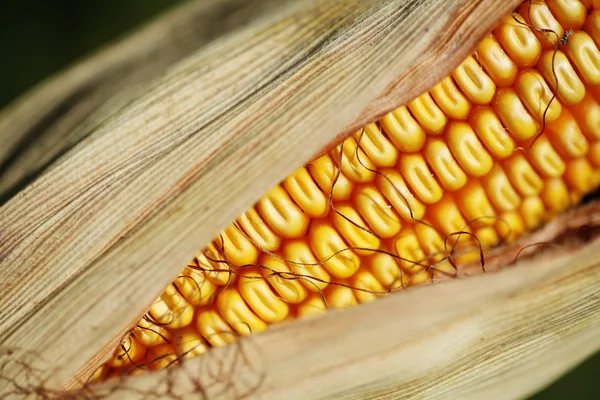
(585,56)
(213,327)
(499,190)
(491,132)
(282,214)
(570,13)
(377,212)
(303,263)
(327,175)
(518,41)
(258,231)
(428,115)
(238,314)
(415,171)
(514,115)
(305,192)
(259,296)
(377,146)
(447,170)
(450,99)
(355,164)
(332,251)
(537,14)
(406,134)
(474,82)
(467,149)
(285,283)
(501,69)
(391,184)
(522,176)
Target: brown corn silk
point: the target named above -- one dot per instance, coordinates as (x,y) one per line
(505,143)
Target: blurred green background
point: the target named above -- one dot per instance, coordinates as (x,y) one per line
(39,38)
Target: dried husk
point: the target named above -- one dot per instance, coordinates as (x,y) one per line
(91,242)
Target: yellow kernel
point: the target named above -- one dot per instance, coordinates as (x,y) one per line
(510,226)
(545,159)
(467,149)
(578,175)
(171,309)
(491,132)
(354,229)
(313,305)
(427,113)
(213,327)
(450,99)
(305,192)
(585,56)
(522,176)
(409,251)
(594,154)
(403,130)
(129,352)
(431,243)
(539,99)
(332,251)
(258,295)
(501,69)
(518,41)
(284,282)
(554,64)
(282,214)
(532,210)
(366,287)
(556,195)
(238,249)
(391,184)
(592,26)
(587,114)
(258,231)
(566,136)
(475,206)
(213,264)
(338,296)
(100,374)
(446,217)
(377,146)
(324,171)
(421,278)
(474,82)
(498,188)
(304,264)
(190,343)
(238,315)
(537,14)
(377,212)
(569,13)
(447,170)
(386,270)
(355,164)
(514,115)
(415,171)
(150,334)
(487,237)
(195,287)
(161,356)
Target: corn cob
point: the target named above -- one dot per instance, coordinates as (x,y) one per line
(503,144)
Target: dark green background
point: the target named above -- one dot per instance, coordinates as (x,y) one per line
(39,38)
